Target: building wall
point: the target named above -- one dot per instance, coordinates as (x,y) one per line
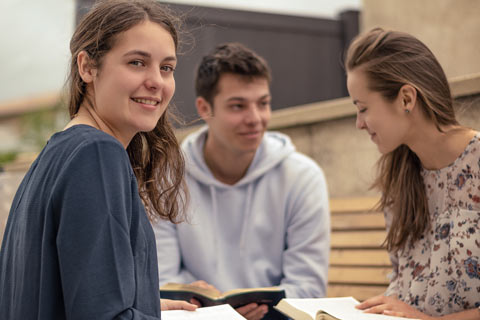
(304,53)
(326,132)
(450,28)
(347,155)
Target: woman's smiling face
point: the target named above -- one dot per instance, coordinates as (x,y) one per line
(385,121)
(135,83)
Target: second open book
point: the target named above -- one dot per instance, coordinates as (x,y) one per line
(326,309)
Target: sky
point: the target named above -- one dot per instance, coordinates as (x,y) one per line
(35,35)
(34,52)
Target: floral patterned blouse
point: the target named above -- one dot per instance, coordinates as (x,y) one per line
(440,273)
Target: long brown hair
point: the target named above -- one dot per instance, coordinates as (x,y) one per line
(155,156)
(390,60)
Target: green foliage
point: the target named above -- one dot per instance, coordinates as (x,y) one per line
(38,126)
(7,157)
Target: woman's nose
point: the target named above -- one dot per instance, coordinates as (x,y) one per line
(154,80)
(360,123)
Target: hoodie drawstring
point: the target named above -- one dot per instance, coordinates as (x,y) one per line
(246,218)
(213,195)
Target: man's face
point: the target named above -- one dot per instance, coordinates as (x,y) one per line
(239,115)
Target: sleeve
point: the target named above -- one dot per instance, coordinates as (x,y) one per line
(169,255)
(393,276)
(94,205)
(305,259)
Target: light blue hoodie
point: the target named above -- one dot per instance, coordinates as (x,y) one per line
(270,228)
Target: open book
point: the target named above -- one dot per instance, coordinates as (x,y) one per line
(220,312)
(326,309)
(236,298)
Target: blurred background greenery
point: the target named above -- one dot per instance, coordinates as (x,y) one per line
(29,132)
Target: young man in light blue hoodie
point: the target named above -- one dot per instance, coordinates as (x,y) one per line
(259,210)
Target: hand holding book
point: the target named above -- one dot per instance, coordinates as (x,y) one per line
(251,311)
(167,304)
(237,298)
(390,305)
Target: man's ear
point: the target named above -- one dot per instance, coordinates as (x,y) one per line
(204,108)
(408,97)
(85,67)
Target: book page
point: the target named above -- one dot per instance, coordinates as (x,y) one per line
(220,312)
(341,308)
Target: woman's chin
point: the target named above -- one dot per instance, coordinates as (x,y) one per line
(147,127)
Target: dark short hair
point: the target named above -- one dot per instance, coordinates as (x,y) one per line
(232,58)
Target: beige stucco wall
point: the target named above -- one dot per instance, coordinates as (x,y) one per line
(326,132)
(347,155)
(450,28)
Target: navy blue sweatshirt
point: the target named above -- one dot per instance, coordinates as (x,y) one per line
(78,243)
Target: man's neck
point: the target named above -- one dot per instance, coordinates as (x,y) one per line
(226,167)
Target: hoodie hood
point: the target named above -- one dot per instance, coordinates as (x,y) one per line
(273,149)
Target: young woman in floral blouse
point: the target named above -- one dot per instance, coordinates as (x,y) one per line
(429,175)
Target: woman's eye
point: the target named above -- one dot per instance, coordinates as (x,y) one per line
(362,110)
(137,63)
(167,68)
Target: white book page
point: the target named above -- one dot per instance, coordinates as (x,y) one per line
(221,312)
(341,308)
